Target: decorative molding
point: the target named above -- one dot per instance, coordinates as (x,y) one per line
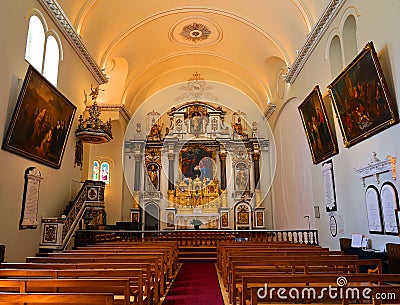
(115,107)
(60,18)
(314,38)
(270,110)
(377,167)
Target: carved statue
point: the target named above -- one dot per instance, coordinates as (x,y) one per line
(153,175)
(155,132)
(237,127)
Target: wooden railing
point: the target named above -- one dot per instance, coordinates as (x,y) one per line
(57,231)
(197,237)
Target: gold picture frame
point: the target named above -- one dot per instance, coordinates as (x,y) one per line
(41,122)
(361,98)
(320,137)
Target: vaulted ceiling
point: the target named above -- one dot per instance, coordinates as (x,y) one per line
(147,45)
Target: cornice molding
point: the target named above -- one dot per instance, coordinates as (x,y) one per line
(313,38)
(61,20)
(120,108)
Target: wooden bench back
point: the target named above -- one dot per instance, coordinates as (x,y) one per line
(57,298)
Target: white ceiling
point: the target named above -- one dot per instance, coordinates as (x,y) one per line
(245,44)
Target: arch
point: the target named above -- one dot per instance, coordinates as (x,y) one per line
(95,170)
(43,46)
(121,36)
(151,216)
(335,56)
(51,59)
(35,42)
(243,219)
(349,35)
(105,172)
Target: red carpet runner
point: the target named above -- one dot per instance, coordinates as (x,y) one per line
(195,284)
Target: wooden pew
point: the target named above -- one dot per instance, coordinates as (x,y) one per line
(154,260)
(107,255)
(269,254)
(222,247)
(318,294)
(118,287)
(135,277)
(57,298)
(171,260)
(255,282)
(284,267)
(46,270)
(249,260)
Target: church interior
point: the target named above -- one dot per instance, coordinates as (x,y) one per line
(195,134)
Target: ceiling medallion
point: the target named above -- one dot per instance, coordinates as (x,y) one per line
(196,32)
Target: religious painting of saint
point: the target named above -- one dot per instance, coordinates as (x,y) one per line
(320,137)
(41,121)
(197,162)
(361,98)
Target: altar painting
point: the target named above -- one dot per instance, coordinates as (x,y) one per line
(197,162)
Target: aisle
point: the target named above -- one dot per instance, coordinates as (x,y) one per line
(195,284)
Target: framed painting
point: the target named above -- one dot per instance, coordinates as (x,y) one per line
(361,98)
(41,121)
(318,131)
(197,161)
(224,220)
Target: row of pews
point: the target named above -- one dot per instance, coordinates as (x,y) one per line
(280,272)
(123,273)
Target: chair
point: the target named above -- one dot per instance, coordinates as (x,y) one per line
(393,257)
(345,244)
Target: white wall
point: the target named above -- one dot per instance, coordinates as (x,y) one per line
(377,22)
(55,187)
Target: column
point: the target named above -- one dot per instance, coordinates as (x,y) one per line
(222,158)
(136,184)
(171,179)
(256,164)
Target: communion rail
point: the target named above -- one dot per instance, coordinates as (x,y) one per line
(196,237)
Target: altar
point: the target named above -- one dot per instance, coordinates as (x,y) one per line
(185,220)
(200,171)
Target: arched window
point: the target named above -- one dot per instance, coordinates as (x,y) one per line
(51,60)
(35,43)
(95,171)
(105,172)
(43,54)
(350,39)
(335,56)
